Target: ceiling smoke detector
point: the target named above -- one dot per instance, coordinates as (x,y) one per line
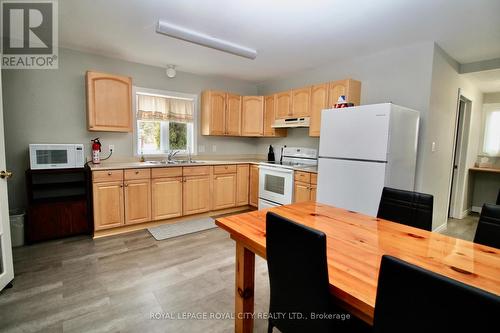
(171,72)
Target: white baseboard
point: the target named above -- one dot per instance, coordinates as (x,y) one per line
(440,228)
(476,209)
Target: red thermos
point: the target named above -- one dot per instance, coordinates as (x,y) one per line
(96,149)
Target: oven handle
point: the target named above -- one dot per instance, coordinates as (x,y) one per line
(274,169)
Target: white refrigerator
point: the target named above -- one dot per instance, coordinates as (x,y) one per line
(361,150)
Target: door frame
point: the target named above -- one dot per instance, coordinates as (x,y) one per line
(7,275)
(460,145)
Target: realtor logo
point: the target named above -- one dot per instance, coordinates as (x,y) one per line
(29,33)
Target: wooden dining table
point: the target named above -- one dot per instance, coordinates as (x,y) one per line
(355,246)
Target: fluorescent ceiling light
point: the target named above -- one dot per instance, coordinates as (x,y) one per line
(175,31)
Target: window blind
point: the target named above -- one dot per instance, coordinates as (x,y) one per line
(151,107)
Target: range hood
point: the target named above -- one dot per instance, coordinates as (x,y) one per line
(292,122)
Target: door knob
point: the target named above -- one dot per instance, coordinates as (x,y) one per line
(5,174)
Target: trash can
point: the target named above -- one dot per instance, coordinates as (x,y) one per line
(16,218)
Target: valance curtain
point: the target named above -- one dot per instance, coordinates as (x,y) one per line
(164,108)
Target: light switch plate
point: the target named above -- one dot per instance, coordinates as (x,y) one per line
(433,147)
(214,148)
(201,148)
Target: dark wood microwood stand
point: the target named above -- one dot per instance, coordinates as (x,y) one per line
(58,204)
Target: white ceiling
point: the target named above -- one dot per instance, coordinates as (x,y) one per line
(289,35)
(486,81)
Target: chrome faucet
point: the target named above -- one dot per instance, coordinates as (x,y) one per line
(171,154)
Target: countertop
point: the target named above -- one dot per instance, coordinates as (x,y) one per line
(492,170)
(149,164)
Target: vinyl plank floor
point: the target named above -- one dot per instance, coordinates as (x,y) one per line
(119,284)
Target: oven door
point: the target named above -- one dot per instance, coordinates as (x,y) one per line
(52,156)
(276,184)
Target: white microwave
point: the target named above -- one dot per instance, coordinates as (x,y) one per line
(56,156)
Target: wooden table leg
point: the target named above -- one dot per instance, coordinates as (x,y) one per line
(244,295)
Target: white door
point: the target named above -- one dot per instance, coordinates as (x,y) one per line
(355,133)
(6,267)
(352,185)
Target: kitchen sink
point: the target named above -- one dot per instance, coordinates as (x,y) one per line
(174,162)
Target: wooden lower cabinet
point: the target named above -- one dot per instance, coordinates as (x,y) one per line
(195,195)
(108,205)
(301,192)
(242,184)
(313,192)
(254,186)
(166,198)
(224,191)
(137,201)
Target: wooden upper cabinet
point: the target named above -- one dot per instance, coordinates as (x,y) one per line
(109,102)
(242,184)
(351,89)
(283,105)
(270,117)
(319,101)
(213,113)
(301,102)
(233,114)
(252,112)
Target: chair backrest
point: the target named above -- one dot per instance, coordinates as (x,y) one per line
(498,198)
(298,274)
(488,228)
(406,207)
(412,299)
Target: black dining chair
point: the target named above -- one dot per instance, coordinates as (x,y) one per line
(298,276)
(488,227)
(498,198)
(412,299)
(406,207)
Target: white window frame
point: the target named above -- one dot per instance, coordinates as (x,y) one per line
(165,93)
(487,110)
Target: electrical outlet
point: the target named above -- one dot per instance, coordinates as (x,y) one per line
(433,147)
(112,148)
(214,148)
(201,148)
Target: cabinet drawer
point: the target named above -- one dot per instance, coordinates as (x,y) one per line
(107,176)
(196,171)
(303,176)
(220,169)
(314,178)
(131,174)
(166,172)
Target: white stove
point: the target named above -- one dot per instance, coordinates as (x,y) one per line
(276,178)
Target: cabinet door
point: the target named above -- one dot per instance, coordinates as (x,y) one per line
(109,102)
(301,102)
(313,192)
(351,89)
(213,113)
(166,198)
(253,116)
(302,192)
(137,201)
(270,117)
(254,185)
(283,101)
(242,184)
(224,193)
(108,205)
(319,101)
(195,195)
(233,115)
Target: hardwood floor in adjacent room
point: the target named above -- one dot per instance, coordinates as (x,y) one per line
(118,283)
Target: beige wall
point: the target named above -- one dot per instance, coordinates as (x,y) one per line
(491,98)
(48,106)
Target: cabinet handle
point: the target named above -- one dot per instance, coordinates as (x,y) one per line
(126,185)
(137,172)
(121,185)
(110,173)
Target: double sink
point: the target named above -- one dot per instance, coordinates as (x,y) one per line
(172,162)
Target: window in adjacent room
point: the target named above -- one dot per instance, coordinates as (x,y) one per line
(491,144)
(164,122)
